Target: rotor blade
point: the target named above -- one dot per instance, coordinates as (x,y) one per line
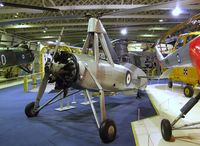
(29,6)
(27,20)
(162,5)
(179,27)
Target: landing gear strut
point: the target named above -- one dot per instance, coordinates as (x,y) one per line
(32,111)
(170,84)
(107,128)
(166,127)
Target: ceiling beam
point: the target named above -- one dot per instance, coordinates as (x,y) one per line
(85,24)
(74,29)
(79,41)
(114,32)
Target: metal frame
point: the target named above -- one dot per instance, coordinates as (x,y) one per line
(184,110)
(54,100)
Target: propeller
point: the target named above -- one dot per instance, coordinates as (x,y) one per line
(47,73)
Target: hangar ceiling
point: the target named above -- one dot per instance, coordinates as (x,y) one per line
(145,20)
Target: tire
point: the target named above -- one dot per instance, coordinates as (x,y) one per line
(188,91)
(107,131)
(170,84)
(29,110)
(166,130)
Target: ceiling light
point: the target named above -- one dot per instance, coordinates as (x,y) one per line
(161,20)
(16,15)
(177,11)
(158,28)
(148,35)
(1,5)
(45,29)
(48,37)
(124,31)
(22,26)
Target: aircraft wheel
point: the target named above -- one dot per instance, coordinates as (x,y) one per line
(29,110)
(188,91)
(170,84)
(107,131)
(166,129)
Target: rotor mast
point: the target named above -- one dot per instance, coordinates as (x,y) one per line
(96,34)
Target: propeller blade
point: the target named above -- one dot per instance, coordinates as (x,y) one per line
(42,88)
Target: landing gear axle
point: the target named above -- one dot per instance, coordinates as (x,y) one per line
(107,131)
(167,127)
(188,91)
(29,110)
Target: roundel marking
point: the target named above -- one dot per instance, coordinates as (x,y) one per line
(128,78)
(178,58)
(185,71)
(3,59)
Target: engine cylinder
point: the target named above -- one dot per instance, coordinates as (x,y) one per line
(65,70)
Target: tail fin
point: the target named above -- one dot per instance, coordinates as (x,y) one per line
(158,53)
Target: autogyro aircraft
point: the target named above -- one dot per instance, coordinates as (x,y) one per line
(187,55)
(91,73)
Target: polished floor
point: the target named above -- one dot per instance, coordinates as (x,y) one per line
(168,103)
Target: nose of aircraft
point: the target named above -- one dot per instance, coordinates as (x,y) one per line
(65,70)
(194,51)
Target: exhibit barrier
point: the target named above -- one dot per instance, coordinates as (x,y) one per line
(25,79)
(33,79)
(4,83)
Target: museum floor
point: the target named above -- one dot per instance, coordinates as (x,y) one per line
(72,128)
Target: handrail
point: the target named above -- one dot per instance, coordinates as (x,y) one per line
(19,77)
